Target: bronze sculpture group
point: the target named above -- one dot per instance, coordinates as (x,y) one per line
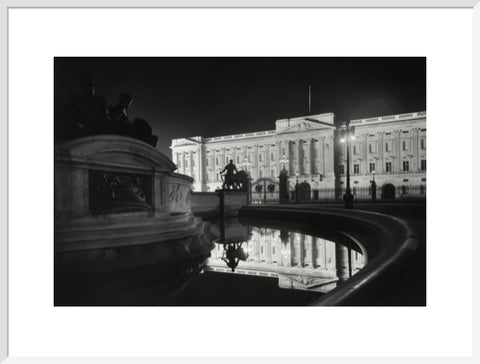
(231,180)
(87,114)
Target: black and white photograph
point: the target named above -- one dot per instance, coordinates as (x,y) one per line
(240,181)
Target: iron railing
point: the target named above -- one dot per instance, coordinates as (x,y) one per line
(401,192)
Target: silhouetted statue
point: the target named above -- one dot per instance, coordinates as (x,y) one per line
(143,131)
(118,116)
(229,180)
(85,114)
(232,255)
(374,190)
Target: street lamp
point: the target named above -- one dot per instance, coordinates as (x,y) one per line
(284,161)
(246,164)
(374,187)
(264,187)
(349,135)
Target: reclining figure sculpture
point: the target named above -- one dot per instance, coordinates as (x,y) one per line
(86,114)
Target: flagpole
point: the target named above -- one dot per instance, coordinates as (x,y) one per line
(309,100)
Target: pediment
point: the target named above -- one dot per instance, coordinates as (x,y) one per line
(302,126)
(185,143)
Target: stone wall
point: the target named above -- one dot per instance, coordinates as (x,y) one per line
(113,191)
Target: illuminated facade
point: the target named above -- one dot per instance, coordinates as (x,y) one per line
(390,149)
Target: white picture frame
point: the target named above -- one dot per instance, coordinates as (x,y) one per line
(7,283)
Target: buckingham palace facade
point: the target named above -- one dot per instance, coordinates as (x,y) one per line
(390,150)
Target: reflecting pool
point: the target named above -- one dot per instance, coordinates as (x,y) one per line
(295,260)
(239,265)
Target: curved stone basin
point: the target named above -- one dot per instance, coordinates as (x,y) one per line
(389,242)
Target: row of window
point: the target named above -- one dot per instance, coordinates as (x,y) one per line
(211,177)
(239,159)
(388,167)
(372,147)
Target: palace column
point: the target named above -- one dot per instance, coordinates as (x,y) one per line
(341,262)
(286,145)
(398,151)
(292,249)
(365,150)
(300,157)
(321,155)
(313,156)
(309,157)
(329,149)
(301,250)
(201,178)
(381,148)
(296,158)
(415,150)
(278,156)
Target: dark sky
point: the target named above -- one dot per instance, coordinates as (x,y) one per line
(183,97)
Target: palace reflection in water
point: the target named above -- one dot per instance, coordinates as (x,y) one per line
(299,261)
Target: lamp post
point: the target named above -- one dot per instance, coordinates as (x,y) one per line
(284,189)
(246,164)
(349,135)
(264,187)
(374,187)
(284,161)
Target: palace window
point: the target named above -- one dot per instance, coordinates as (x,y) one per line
(341,169)
(356,149)
(423,143)
(423,164)
(260,174)
(406,166)
(272,173)
(388,147)
(260,157)
(406,145)
(272,156)
(249,157)
(388,166)
(193,162)
(372,167)
(356,168)
(238,159)
(207,162)
(216,161)
(371,148)
(186,162)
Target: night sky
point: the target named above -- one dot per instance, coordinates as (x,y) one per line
(182,97)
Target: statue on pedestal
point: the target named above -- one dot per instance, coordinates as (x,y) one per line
(87,114)
(231,180)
